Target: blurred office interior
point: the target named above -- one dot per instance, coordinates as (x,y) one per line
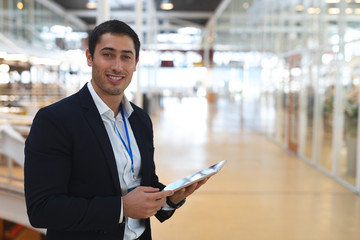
(235,75)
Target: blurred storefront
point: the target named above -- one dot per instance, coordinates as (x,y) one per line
(306,82)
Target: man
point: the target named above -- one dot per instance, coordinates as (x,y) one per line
(89,167)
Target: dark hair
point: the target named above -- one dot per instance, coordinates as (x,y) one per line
(113,26)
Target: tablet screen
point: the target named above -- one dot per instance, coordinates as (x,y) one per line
(196,177)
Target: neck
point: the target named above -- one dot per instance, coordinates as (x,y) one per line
(112,101)
(114,104)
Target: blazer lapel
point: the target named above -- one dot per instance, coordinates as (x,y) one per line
(138,134)
(96,124)
(143,144)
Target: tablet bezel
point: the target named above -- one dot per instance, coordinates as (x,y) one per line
(195,177)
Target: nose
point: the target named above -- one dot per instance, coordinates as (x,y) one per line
(117,64)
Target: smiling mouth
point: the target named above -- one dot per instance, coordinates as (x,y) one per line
(115,78)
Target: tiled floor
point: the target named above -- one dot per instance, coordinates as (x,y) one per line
(263,192)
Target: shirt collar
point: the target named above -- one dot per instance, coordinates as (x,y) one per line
(103,108)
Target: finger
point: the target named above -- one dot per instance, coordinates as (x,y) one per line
(183,190)
(168,193)
(148,189)
(155,211)
(203,182)
(163,194)
(191,188)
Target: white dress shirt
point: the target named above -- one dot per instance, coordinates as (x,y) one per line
(133,227)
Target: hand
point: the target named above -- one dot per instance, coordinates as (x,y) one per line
(144,202)
(185,192)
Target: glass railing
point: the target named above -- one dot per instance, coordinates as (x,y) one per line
(38,23)
(11,175)
(12,158)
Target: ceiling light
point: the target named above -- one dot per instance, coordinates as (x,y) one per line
(20,5)
(313,10)
(299,8)
(91,4)
(166,5)
(333,10)
(348,10)
(4,68)
(189,31)
(44,61)
(16,57)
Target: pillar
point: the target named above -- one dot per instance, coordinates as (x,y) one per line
(103,11)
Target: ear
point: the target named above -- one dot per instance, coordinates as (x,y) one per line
(88,57)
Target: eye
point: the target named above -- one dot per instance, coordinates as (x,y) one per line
(127,57)
(107,54)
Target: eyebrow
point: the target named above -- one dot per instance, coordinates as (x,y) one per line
(114,50)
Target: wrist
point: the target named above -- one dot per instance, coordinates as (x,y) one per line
(173,205)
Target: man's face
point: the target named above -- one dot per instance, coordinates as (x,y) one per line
(113,64)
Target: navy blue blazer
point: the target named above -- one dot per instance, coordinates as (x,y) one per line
(72,186)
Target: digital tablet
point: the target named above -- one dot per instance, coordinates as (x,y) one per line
(196,177)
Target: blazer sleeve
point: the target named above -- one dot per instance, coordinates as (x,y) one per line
(49,153)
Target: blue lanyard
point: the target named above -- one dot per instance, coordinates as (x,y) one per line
(128,149)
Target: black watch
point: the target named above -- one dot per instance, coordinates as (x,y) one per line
(171,204)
